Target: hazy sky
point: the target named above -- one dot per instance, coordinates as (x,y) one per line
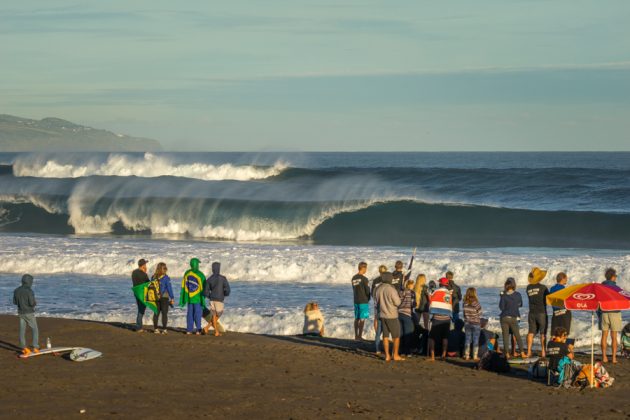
(326,75)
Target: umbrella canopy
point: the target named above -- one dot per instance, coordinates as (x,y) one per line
(591,297)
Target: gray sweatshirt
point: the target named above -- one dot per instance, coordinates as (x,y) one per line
(24,297)
(388,301)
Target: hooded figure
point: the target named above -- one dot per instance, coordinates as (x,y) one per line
(192,296)
(24,298)
(217,286)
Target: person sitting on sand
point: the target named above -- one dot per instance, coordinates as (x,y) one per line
(472,323)
(361,292)
(488,340)
(537,317)
(167,298)
(441,309)
(313,320)
(558,348)
(24,298)
(139,276)
(378,325)
(405,316)
(388,301)
(191,296)
(509,304)
(216,289)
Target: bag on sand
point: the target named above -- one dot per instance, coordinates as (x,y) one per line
(602,378)
(567,372)
(494,362)
(153,291)
(538,371)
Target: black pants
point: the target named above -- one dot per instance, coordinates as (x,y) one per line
(162,309)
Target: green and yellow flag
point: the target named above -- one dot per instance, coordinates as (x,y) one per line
(141,292)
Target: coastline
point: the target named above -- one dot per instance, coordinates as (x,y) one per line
(238,375)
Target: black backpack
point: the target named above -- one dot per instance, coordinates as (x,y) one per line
(494,362)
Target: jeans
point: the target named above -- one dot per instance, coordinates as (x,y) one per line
(473,331)
(408,329)
(28,319)
(163,306)
(193,317)
(141,309)
(377,336)
(510,323)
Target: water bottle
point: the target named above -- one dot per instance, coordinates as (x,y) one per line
(48,344)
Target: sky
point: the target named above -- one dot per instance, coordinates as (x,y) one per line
(337,75)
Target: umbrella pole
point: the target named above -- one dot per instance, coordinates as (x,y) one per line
(592,346)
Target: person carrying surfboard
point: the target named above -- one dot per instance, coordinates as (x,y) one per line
(24,298)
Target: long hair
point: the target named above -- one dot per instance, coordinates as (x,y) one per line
(310,306)
(160,271)
(510,284)
(471,296)
(421,281)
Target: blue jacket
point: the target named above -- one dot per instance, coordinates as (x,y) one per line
(165,287)
(217,286)
(509,304)
(554,289)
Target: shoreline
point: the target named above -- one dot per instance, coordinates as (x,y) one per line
(237,375)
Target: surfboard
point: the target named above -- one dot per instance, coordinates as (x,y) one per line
(524,361)
(82,354)
(53,350)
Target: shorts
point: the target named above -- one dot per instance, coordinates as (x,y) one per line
(216,308)
(361,311)
(440,330)
(610,321)
(537,323)
(391,327)
(563,320)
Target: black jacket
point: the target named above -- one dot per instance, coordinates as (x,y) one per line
(24,297)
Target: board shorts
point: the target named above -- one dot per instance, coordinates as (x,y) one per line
(610,321)
(391,327)
(537,323)
(216,308)
(440,330)
(361,310)
(561,318)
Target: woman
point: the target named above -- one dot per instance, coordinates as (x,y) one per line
(166,297)
(313,320)
(509,304)
(405,316)
(422,300)
(472,323)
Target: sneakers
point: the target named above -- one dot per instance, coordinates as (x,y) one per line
(156,331)
(163,332)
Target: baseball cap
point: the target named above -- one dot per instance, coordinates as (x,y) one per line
(142,262)
(444,281)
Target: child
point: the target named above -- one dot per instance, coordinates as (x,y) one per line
(313,320)
(472,325)
(24,298)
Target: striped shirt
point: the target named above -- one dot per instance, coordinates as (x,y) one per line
(408,302)
(472,313)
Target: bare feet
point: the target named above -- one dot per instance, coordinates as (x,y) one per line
(398,358)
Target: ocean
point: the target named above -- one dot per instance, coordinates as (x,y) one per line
(291,227)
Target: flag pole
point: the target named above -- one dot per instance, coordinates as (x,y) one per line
(592,346)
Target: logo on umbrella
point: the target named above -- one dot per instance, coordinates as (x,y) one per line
(584,296)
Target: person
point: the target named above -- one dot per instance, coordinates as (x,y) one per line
(472,323)
(610,320)
(509,304)
(139,276)
(405,316)
(560,317)
(488,340)
(441,310)
(432,287)
(378,325)
(422,300)
(457,294)
(313,320)
(191,296)
(398,277)
(361,292)
(216,289)
(24,298)
(557,348)
(537,317)
(388,302)
(166,299)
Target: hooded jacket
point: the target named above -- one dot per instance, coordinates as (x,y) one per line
(192,285)
(24,297)
(217,286)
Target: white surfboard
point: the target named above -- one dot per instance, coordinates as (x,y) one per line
(82,354)
(52,350)
(525,361)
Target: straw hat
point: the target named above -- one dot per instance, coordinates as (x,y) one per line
(536,275)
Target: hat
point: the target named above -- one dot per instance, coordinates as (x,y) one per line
(142,262)
(536,275)
(444,281)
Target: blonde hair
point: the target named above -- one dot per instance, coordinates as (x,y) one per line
(421,280)
(471,296)
(311,306)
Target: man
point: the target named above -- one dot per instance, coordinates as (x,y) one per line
(441,310)
(537,318)
(561,317)
(457,294)
(610,320)
(378,325)
(361,291)
(558,347)
(139,276)
(216,290)
(398,280)
(24,298)
(388,302)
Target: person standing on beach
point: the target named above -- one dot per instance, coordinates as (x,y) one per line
(472,323)
(398,277)
(457,294)
(166,296)
(139,276)
(441,310)
(191,296)
(361,292)
(610,320)
(422,300)
(537,318)
(24,298)
(405,316)
(378,325)
(216,290)
(561,317)
(509,304)
(388,302)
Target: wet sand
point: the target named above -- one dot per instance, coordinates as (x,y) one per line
(245,375)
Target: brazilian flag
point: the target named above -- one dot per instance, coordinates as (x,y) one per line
(141,293)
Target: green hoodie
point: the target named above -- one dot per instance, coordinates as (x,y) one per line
(192,285)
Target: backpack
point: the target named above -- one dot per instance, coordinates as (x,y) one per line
(494,362)
(567,373)
(153,291)
(538,371)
